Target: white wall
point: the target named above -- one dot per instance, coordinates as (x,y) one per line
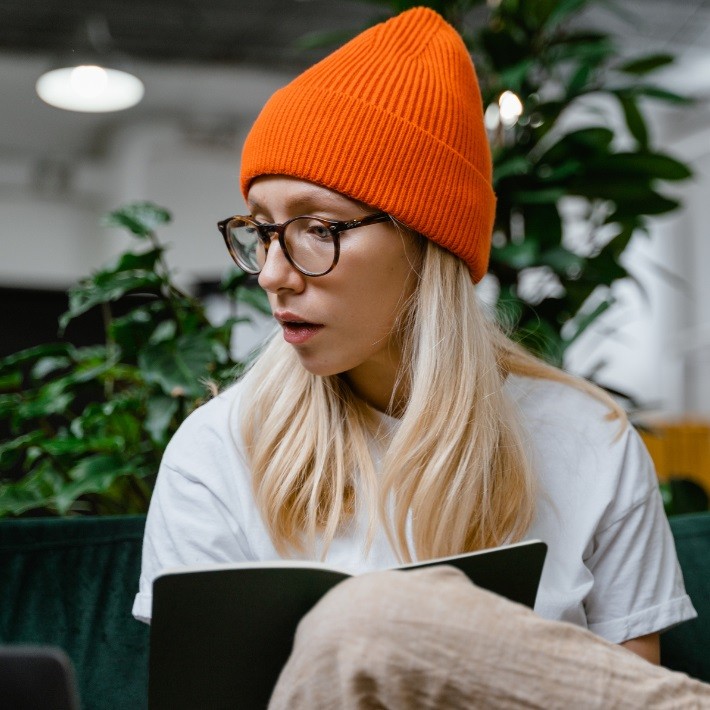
(688,326)
(51,235)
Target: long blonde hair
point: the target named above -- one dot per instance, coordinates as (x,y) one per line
(455,472)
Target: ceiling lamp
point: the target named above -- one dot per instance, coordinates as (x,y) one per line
(94,85)
(90,87)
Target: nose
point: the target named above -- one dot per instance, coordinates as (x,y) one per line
(278,274)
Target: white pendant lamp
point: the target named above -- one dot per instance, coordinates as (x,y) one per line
(95,85)
(90,88)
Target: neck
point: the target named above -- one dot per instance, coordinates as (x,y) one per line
(376,384)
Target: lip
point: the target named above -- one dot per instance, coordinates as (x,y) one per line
(296,329)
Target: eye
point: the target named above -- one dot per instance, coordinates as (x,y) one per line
(319,230)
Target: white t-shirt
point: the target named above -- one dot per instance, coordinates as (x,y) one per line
(611,563)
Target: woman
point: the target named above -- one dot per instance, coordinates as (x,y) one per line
(389,419)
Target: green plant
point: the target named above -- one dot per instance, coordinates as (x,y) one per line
(88,425)
(551,288)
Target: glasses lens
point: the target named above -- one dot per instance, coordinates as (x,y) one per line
(310,244)
(247,249)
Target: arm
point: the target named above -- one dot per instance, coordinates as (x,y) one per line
(648,647)
(196,511)
(638,586)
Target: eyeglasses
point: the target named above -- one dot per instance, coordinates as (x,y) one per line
(311,244)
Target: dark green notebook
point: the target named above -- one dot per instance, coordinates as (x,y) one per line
(221,634)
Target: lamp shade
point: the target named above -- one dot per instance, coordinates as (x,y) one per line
(90,88)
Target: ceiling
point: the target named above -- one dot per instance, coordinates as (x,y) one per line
(262,32)
(265,32)
(204,60)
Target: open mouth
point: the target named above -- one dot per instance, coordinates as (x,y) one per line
(296,332)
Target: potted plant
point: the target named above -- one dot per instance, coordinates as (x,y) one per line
(88,425)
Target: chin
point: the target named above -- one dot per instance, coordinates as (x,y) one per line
(320,368)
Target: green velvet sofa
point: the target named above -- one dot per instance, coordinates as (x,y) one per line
(70,583)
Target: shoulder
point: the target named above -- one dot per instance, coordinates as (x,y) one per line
(208,431)
(540,400)
(579,452)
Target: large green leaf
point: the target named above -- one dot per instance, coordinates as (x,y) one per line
(647,64)
(634,195)
(580,79)
(52,399)
(120,417)
(89,370)
(36,490)
(652,204)
(139,218)
(132,331)
(583,320)
(106,287)
(30,355)
(11,451)
(634,120)
(656,92)
(577,145)
(131,261)
(560,173)
(159,413)
(645,166)
(179,367)
(93,474)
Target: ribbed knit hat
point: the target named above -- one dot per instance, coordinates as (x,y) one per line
(394,119)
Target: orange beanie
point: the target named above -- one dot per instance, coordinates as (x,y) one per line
(394,119)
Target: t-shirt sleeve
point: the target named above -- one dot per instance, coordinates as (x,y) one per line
(638,585)
(194,513)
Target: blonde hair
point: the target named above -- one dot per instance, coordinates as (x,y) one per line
(455,472)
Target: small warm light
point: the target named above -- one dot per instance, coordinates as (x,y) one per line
(511,108)
(90,88)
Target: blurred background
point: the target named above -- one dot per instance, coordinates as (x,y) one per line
(600,262)
(207,68)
